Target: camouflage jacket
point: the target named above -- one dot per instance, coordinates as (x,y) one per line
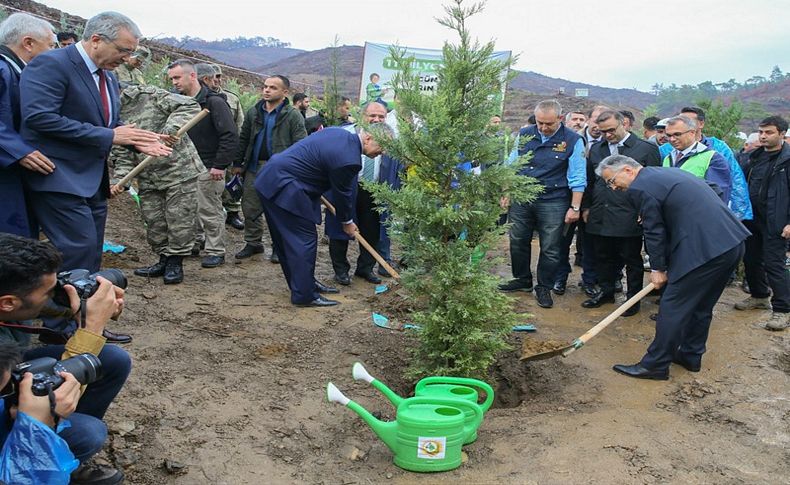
(155,109)
(235,106)
(129,76)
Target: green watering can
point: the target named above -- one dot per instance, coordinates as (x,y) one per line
(458,388)
(427,434)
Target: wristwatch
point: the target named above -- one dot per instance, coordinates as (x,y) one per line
(575,208)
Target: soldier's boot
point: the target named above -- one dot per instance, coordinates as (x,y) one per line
(174,270)
(156,269)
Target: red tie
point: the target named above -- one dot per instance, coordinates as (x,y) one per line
(105,100)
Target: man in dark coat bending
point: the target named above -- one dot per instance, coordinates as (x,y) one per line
(694,242)
(290,186)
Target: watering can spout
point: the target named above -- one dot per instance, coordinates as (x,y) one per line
(386,431)
(361,374)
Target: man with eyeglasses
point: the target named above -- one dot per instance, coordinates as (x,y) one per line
(70,106)
(611,219)
(694,157)
(694,242)
(558,163)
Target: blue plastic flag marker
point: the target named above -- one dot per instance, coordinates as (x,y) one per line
(380,321)
(381,289)
(109,247)
(525,328)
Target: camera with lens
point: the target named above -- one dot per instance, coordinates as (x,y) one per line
(86,368)
(85,283)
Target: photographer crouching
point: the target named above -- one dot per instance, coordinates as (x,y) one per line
(28,281)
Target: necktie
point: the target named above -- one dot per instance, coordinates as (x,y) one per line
(368,168)
(105,99)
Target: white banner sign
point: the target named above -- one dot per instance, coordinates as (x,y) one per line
(378,69)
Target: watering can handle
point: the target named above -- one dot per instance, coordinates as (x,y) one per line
(463,381)
(452,403)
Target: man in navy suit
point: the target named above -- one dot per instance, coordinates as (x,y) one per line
(290,186)
(694,242)
(22,37)
(70,106)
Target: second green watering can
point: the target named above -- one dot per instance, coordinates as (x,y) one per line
(461,388)
(427,434)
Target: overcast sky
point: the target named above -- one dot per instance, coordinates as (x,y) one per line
(614,43)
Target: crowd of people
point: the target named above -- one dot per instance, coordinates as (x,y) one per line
(76,117)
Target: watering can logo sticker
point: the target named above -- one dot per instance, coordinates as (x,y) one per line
(431,448)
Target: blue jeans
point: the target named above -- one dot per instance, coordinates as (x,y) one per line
(548,219)
(85,436)
(589,276)
(87,433)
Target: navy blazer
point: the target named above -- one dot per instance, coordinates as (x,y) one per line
(685,223)
(13,214)
(294,179)
(62,116)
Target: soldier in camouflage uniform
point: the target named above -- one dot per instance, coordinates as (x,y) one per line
(231,206)
(130,72)
(168,185)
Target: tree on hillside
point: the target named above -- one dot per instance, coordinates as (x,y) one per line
(722,121)
(443,218)
(776,75)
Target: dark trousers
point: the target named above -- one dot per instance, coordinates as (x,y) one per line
(74,225)
(87,433)
(584,250)
(611,253)
(369,223)
(548,219)
(686,310)
(765,265)
(296,241)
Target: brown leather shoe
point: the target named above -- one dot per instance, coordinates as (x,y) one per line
(116,338)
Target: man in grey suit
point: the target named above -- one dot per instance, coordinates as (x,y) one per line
(694,242)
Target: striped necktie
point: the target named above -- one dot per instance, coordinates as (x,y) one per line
(368,168)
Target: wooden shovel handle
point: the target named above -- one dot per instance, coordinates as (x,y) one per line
(579,342)
(361,240)
(140,166)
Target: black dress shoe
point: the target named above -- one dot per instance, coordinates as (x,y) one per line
(598,300)
(689,366)
(516,285)
(589,290)
(640,372)
(560,287)
(369,277)
(632,311)
(153,271)
(383,272)
(343,279)
(234,221)
(319,302)
(543,296)
(116,338)
(212,261)
(322,288)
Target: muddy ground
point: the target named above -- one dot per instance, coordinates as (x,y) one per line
(229,380)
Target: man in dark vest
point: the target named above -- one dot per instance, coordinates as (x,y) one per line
(694,242)
(558,163)
(611,219)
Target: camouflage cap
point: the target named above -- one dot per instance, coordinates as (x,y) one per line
(142,52)
(204,70)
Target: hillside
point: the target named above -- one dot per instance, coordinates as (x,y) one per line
(245,56)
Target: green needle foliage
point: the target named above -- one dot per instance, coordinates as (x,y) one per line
(444,218)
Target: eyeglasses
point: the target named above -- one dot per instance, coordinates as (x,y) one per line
(676,135)
(123,50)
(610,181)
